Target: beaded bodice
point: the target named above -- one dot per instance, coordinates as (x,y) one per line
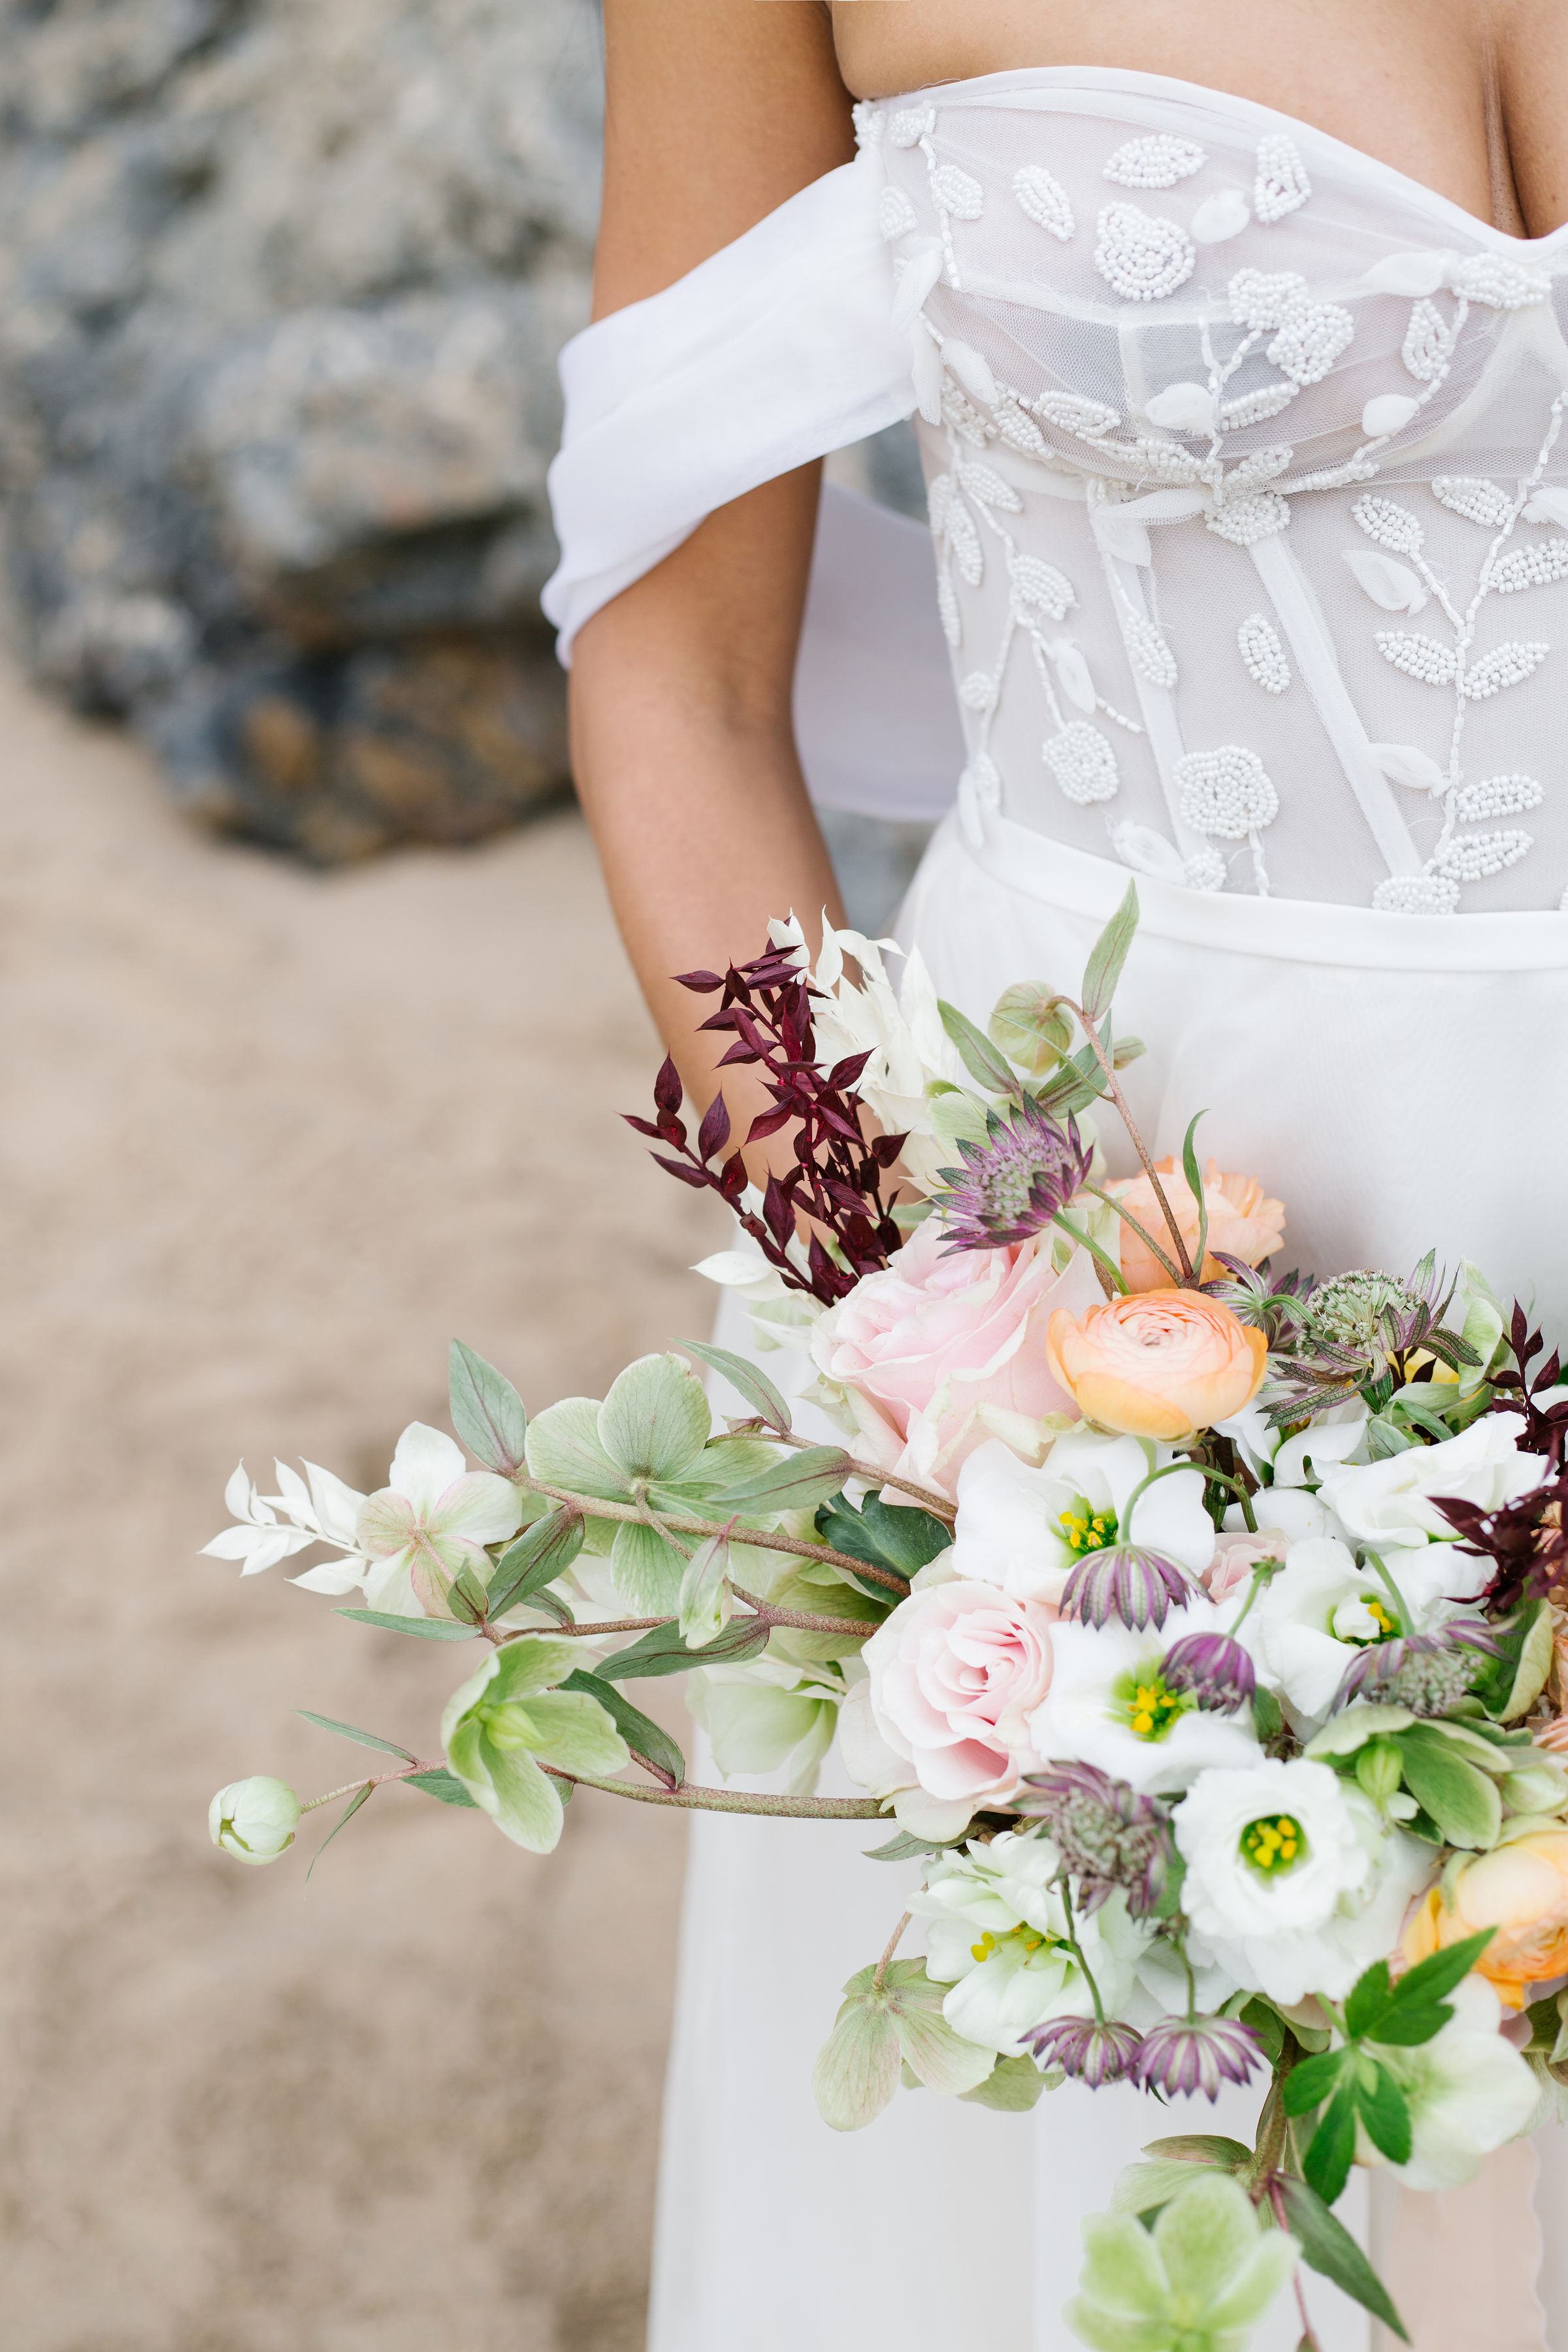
(1248,488)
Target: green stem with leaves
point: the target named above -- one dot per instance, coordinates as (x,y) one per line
(756,1539)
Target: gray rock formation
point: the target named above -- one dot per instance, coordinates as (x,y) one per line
(281,286)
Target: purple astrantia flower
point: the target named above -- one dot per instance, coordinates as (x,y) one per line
(1107,1835)
(1014,1183)
(1213,1669)
(1090,2052)
(1125,1584)
(1424,1672)
(1185,2055)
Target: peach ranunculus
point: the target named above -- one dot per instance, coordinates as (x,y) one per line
(1242,1221)
(1522,1890)
(1157,1363)
(920,1347)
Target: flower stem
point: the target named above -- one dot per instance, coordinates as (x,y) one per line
(1076,1948)
(370,1780)
(799,1620)
(1102,1257)
(925,1497)
(894,1941)
(694,1797)
(1143,1235)
(759,1539)
(1130,1123)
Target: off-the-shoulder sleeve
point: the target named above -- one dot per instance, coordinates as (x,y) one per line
(775,350)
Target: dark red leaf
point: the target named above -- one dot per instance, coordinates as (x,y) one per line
(714,1132)
(667,1089)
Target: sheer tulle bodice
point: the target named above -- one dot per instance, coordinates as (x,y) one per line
(1247,483)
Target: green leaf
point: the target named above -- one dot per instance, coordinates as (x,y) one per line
(347,1731)
(1012,2088)
(1461,1799)
(1194,1175)
(1419,1994)
(1201,2148)
(1368,1999)
(905,1847)
(641,1734)
(424,1629)
(1268,1721)
(1028,1024)
(856,2070)
(571,1730)
(883,1535)
(563,1450)
(655,1420)
(799,1483)
(1327,2160)
(1384,2112)
(487,1410)
(1268,2024)
(977,1053)
(545,1551)
(1328,2246)
(1109,955)
(1314,2080)
(444,1786)
(1509,1686)
(467,1597)
(743,1375)
(648,1570)
(359,1797)
(662,1651)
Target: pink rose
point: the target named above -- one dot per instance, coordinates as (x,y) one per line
(956,1671)
(1236,1556)
(921,1346)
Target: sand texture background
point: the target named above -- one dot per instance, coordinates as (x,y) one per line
(269,1139)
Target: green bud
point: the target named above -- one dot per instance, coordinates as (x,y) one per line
(1380,1768)
(254,1820)
(1536,1788)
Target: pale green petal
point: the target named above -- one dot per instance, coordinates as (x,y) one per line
(425,1464)
(1122,2271)
(753,1728)
(655,1420)
(648,1570)
(479,1505)
(856,2070)
(467,1695)
(384,1524)
(805,1764)
(521,1799)
(1204,2238)
(563,1450)
(1254,2288)
(1109,2331)
(573,1731)
(532,1664)
(941,2058)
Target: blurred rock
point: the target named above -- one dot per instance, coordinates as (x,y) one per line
(280,292)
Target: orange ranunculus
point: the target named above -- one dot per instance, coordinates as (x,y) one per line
(1157,1363)
(1522,1890)
(1242,1222)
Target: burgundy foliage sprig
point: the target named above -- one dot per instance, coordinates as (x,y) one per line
(1522,1390)
(837,1180)
(1525,1541)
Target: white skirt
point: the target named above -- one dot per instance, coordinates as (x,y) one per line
(1398,1083)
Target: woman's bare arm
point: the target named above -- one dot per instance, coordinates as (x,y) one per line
(718,111)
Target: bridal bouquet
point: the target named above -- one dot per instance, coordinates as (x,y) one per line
(1203,1631)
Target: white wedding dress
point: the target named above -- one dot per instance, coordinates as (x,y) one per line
(1250,497)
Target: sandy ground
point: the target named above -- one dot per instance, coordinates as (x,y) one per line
(268,1139)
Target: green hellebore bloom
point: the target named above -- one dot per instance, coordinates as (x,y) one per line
(1197,2282)
(508,1715)
(254,1820)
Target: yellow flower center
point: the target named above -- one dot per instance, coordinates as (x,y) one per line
(1272,1844)
(1030,1938)
(1148,1709)
(1085,1529)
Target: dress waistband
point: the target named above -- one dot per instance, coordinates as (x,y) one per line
(1292,931)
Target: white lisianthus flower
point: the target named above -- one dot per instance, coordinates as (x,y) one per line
(433,1517)
(1293,1882)
(1334,1438)
(995,1927)
(767,1717)
(1027,1529)
(1109,1705)
(254,1820)
(1469,2091)
(1308,1627)
(1388,1507)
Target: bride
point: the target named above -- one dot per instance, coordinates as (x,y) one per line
(1231,332)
